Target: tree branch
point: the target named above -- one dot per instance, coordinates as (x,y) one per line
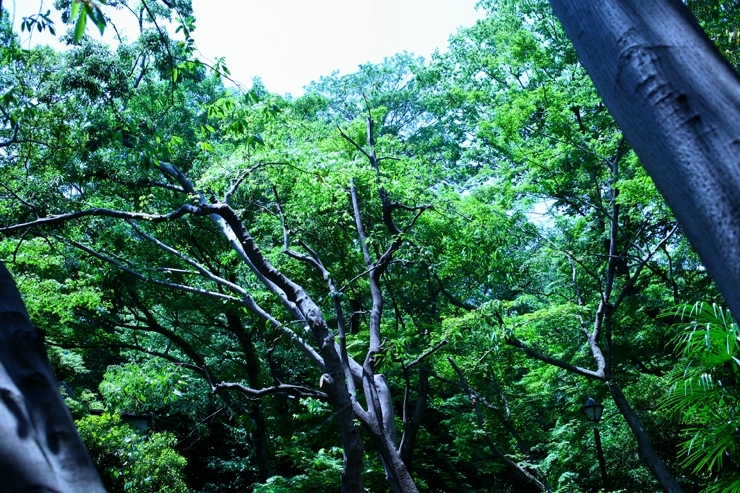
(513,341)
(12,139)
(426,353)
(631,281)
(540,483)
(171,285)
(293,391)
(100,212)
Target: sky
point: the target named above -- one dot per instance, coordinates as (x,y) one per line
(289,43)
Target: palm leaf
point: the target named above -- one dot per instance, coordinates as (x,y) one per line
(704,391)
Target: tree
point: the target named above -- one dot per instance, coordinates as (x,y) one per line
(675,98)
(41,447)
(195,225)
(608,247)
(89,178)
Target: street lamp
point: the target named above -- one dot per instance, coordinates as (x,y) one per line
(593,409)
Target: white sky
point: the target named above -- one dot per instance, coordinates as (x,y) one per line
(289,43)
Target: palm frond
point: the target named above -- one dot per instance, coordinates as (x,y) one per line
(705,393)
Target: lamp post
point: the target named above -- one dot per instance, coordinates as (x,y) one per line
(593,409)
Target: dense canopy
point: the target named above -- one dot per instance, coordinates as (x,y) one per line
(410,278)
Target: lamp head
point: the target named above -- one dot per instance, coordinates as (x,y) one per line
(593,409)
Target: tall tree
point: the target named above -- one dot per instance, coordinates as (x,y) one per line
(675,97)
(533,114)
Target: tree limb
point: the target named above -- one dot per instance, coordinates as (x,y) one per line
(426,353)
(101,212)
(513,341)
(294,391)
(540,483)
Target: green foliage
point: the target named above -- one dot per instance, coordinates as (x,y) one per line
(505,173)
(40,21)
(705,393)
(718,19)
(322,473)
(132,387)
(66,363)
(131,461)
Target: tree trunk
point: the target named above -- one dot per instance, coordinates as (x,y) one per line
(40,450)
(352,446)
(412,424)
(397,474)
(677,100)
(252,363)
(645,445)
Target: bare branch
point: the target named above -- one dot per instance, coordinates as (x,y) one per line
(12,139)
(420,210)
(513,341)
(360,227)
(19,199)
(240,179)
(171,285)
(579,300)
(576,260)
(452,299)
(173,270)
(166,186)
(99,212)
(311,260)
(351,141)
(361,274)
(294,391)
(426,353)
(198,267)
(541,483)
(631,281)
(246,299)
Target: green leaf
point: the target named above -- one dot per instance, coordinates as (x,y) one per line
(75,9)
(97,16)
(80,26)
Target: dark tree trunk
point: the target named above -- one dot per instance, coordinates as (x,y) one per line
(259,435)
(413,424)
(40,450)
(677,100)
(645,445)
(397,474)
(352,446)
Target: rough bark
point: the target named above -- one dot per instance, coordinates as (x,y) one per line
(677,100)
(40,450)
